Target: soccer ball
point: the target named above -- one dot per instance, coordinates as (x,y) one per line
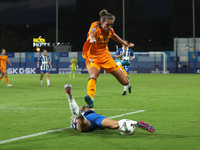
(126,127)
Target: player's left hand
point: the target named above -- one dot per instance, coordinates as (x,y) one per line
(130,45)
(10,64)
(51,68)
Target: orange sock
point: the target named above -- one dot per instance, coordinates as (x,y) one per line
(6,79)
(91,87)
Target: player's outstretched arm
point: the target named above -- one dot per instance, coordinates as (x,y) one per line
(9,63)
(119,40)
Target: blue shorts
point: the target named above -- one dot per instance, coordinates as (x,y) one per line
(45,71)
(95,120)
(127,68)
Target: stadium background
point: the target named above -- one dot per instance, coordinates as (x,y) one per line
(25,63)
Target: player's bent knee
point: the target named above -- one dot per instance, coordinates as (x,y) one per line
(93,76)
(126,82)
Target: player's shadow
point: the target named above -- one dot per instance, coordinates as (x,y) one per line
(115,133)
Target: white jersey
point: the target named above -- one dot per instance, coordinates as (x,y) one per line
(44,63)
(128,53)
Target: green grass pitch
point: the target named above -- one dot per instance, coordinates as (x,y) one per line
(171,101)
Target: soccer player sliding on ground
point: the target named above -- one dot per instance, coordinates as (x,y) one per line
(3,60)
(45,66)
(85,119)
(97,55)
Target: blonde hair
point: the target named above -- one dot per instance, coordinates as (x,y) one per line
(83,107)
(104,15)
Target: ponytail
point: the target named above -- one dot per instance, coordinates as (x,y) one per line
(104,15)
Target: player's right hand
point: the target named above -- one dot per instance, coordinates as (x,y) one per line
(93,40)
(38,66)
(130,45)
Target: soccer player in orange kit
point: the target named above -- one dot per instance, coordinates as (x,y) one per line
(97,55)
(3,61)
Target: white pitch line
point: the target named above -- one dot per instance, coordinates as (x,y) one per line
(127,114)
(53,108)
(56,130)
(32,135)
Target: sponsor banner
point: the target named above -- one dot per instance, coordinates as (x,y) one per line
(38,40)
(63,54)
(149,70)
(68,70)
(10,55)
(53,71)
(198,71)
(21,70)
(157,71)
(84,70)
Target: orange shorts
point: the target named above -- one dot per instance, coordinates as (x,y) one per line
(122,68)
(109,65)
(3,69)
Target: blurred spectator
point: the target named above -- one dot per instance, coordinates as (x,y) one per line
(179,65)
(185,66)
(157,66)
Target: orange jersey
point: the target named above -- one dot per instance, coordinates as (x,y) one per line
(98,52)
(3,60)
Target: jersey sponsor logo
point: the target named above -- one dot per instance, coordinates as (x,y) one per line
(94,30)
(103,40)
